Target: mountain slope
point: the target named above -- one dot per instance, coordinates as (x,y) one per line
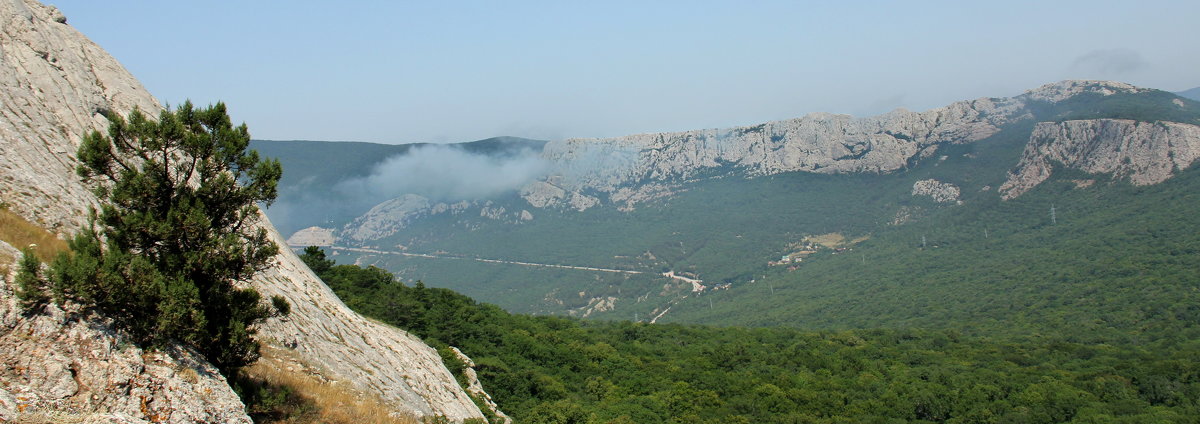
(1193,93)
(599,239)
(56,86)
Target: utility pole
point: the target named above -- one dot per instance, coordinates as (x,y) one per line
(922,241)
(772,286)
(710,304)
(1053,217)
(985,232)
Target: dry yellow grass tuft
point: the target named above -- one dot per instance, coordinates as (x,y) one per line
(324,402)
(20,233)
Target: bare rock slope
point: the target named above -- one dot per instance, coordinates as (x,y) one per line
(1142,152)
(55,85)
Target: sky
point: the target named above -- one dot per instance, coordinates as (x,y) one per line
(451,71)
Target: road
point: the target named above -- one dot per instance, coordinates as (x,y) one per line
(493,261)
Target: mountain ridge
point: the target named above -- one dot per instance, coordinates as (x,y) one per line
(721,222)
(818,142)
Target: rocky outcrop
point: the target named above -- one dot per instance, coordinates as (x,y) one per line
(1141,152)
(476,388)
(59,364)
(386,218)
(939,191)
(630,169)
(55,85)
(1064,90)
(312,236)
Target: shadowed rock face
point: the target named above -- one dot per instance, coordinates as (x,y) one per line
(55,85)
(1144,153)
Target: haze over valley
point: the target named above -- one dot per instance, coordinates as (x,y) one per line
(599,213)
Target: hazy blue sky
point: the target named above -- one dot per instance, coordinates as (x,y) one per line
(392,72)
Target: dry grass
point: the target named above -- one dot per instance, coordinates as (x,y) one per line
(20,233)
(834,240)
(323,402)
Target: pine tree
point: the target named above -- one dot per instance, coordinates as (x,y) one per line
(29,281)
(177,222)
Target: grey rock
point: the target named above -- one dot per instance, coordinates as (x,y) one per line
(386,218)
(1142,152)
(940,192)
(371,357)
(312,236)
(632,169)
(476,388)
(60,362)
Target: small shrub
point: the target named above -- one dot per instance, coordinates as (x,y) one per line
(281,305)
(30,286)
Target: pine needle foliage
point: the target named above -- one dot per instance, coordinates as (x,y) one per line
(174,239)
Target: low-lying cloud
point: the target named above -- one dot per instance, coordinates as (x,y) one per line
(439,173)
(447,174)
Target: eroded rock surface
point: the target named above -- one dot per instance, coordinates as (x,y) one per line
(386,218)
(64,364)
(1142,152)
(55,85)
(634,168)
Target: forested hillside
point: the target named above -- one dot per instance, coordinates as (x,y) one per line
(558,370)
(725,228)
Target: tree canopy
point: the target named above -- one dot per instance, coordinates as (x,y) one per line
(174,240)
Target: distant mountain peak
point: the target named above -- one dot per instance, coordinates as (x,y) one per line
(1193,94)
(1062,90)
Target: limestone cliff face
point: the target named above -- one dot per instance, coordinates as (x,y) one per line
(822,143)
(1142,152)
(386,218)
(629,169)
(54,86)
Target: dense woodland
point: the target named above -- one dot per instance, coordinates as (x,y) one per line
(545,369)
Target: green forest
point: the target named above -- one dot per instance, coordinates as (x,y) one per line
(543,369)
